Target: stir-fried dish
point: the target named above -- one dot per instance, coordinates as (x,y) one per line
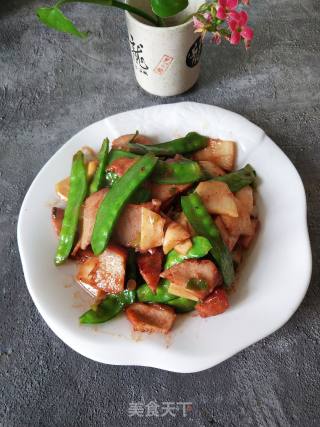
(156,229)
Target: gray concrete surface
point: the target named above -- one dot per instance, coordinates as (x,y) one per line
(50,87)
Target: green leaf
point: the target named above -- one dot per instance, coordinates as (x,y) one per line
(197,284)
(52,17)
(166,8)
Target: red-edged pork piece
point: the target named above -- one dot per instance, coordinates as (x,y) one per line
(121,143)
(246,241)
(195,278)
(110,275)
(240,225)
(128,228)
(175,234)
(151,317)
(222,153)
(120,166)
(214,304)
(86,278)
(131,227)
(229,240)
(91,206)
(150,266)
(105,272)
(166,192)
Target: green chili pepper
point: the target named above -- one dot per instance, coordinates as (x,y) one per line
(141,195)
(239,179)
(193,141)
(182,305)
(145,294)
(203,224)
(179,172)
(77,193)
(120,154)
(115,200)
(98,179)
(112,305)
(200,248)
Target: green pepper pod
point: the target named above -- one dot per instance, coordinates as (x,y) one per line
(200,248)
(112,305)
(179,172)
(239,179)
(141,195)
(203,224)
(120,154)
(99,176)
(77,193)
(145,294)
(115,200)
(182,305)
(193,141)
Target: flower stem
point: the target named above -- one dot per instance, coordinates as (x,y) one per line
(117,4)
(136,11)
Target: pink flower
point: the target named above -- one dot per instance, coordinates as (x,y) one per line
(246,2)
(207,16)
(198,25)
(225,7)
(238,25)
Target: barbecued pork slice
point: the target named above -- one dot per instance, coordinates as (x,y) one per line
(215,303)
(91,206)
(86,278)
(105,272)
(240,225)
(229,239)
(152,229)
(120,166)
(246,241)
(193,279)
(222,153)
(128,228)
(217,198)
(110,275)
(175,234)
(151,317)
(166,192)
(150,267)
(121,143)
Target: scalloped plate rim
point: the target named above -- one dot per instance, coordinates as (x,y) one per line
(142,360)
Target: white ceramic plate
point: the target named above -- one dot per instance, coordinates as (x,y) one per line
(273,282)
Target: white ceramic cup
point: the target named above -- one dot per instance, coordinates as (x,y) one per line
(165,59)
